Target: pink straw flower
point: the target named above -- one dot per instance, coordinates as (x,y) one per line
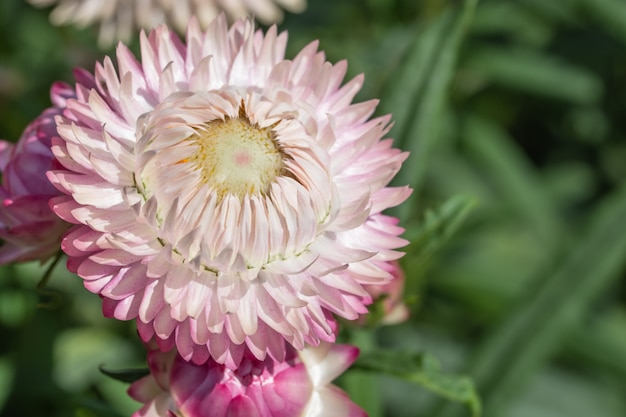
(30,230)
(119,18)
(300,386)
(229,199)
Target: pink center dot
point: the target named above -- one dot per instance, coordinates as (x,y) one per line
(236,157)
(242,158)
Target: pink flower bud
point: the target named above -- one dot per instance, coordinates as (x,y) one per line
(391,295)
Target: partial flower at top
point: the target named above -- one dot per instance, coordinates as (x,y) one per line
(230,199)
(299,386)
(120,18)
(29,229)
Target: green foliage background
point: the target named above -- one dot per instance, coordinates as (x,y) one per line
(515,115)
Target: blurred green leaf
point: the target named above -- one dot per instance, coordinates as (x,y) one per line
(490,266)
(601,343)
(613,157)
(504,163)
(424,370)
(569,183)
(82,412)
(461,177)
(125,375)
(407,83)
(560,393)
(116,394)
(437,227)
(423,133)
(79,352)
(6,375)
(15,307)
(588,124)
(535,73)
(611,14)
(513,19)
(533,330)
(433,232)
(561,11)
(363,387)
(93,408)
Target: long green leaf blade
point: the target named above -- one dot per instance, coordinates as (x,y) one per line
(424,132)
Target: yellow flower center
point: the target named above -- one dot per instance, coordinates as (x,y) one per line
(236,157)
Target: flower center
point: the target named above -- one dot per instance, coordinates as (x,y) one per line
(235,157)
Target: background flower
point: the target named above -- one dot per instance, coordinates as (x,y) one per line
(300,386)
(119,18)
(29,229)
(229,199)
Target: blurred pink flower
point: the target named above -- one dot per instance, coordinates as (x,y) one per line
(119,18)
(228,198)
(29,229)
(300,386)
(391,295)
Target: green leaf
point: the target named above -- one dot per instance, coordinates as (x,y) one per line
(79,351)
(555,11)
(537,326)
(125,375)
(513,19)
(81,412)
(437,227)
(115,392)
(93,408)
(423,370)
(6,377)
(432,232)
(423,133)
(601,344)
(363,388)
(402,92)
(15,307)
(611,15)
(504,163)
(556,392)
(535,73)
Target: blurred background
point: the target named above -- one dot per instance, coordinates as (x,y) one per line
(515,116)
